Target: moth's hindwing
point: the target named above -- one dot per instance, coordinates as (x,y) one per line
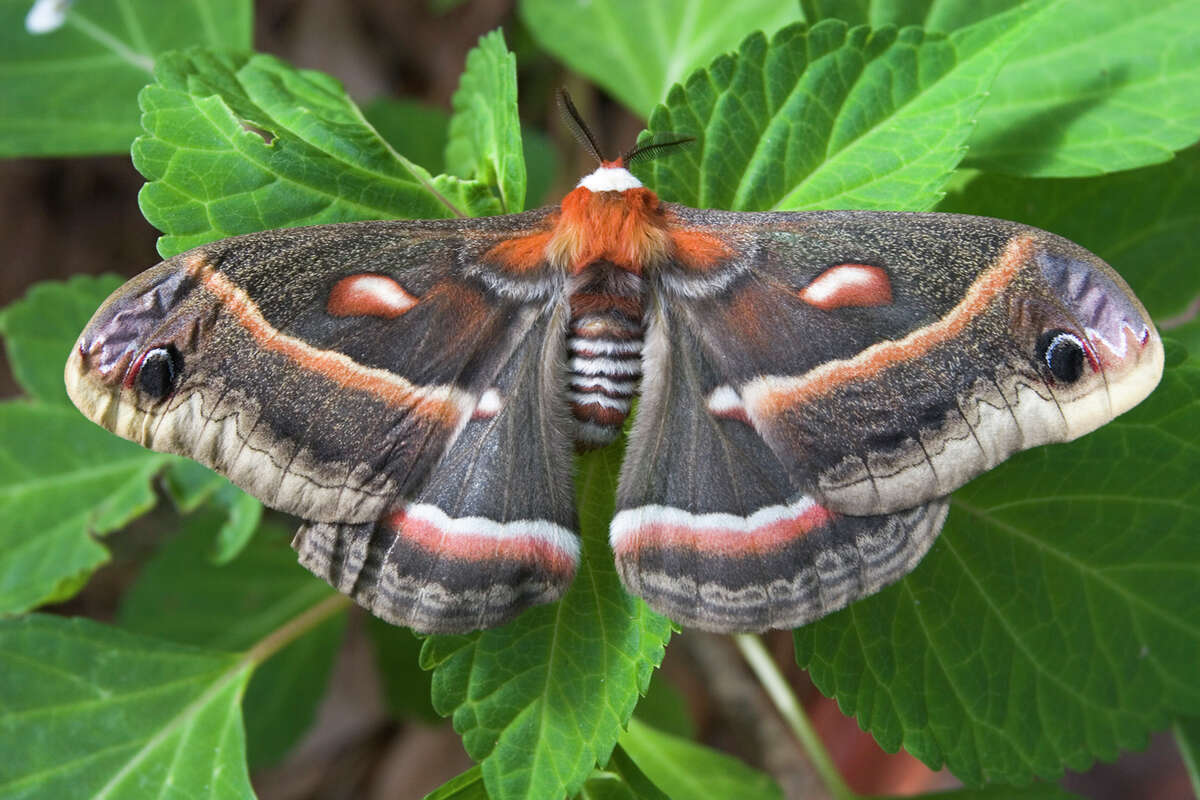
(888,358)
(374,379)
(710,529)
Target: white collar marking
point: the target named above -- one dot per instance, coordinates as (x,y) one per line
(610,179)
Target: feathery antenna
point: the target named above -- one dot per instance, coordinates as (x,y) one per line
(575,124)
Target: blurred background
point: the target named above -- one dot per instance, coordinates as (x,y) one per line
(60,217)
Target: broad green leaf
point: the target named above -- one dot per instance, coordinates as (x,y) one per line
(405,685)
(1053,623)
(236,144)
(685,770)
(40,329)
(74,91)
(91,711)
(540,701)
(485,133)
(1187,335)
(1146,222)
(944,16)
(830,117)
(466,786)
(417,130)
(63,481)
(1187,737)
(637,50)
(1098,86)
(182,597)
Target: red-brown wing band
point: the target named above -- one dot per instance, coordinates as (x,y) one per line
(888,358)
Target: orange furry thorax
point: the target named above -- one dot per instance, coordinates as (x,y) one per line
(628,229)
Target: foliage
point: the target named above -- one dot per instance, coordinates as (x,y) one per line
(1051,625)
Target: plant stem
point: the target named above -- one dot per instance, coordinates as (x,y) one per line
(294,628)
(789,708)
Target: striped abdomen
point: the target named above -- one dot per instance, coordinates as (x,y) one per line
(604,353)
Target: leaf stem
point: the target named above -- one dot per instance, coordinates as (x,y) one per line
(294,628)
(776,687)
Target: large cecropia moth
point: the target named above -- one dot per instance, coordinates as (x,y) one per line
(812,386)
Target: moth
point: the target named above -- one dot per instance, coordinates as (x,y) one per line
(811,387)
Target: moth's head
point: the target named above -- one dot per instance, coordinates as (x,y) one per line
(1086,334)
(612,175)
(134,353)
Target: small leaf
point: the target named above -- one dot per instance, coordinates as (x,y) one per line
(485,132)
(1098,86)
(466,786)
(830,117)
(40,329)
(180,596)
(685,770)
(1053,623)
(74,91)
(236,144)
(541,700)
(63,480)
(1143,222)
(242,515)
(637,50)
(90,711)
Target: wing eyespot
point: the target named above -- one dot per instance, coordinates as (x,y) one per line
(1063,353)
(157,372)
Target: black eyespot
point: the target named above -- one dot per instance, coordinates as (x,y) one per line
(158,372)
(1063,353)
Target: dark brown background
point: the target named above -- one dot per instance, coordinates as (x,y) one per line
(59,217)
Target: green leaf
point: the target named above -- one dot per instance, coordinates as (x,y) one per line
(235,145)
(944,16)
(190,485)
(74,91)
(420,132)
(1143,222)
(485,132)
(1187,737)
(90,711)
(1098,86)
(664,707)
(1053,623)
(637,50)
(830,117)
(415,129)
(466,786)
(689,771)
(182,597)
(40,329)
(406,686)
(242,515)
(63,480)
(541,700)
(1187,335)
(633,782)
